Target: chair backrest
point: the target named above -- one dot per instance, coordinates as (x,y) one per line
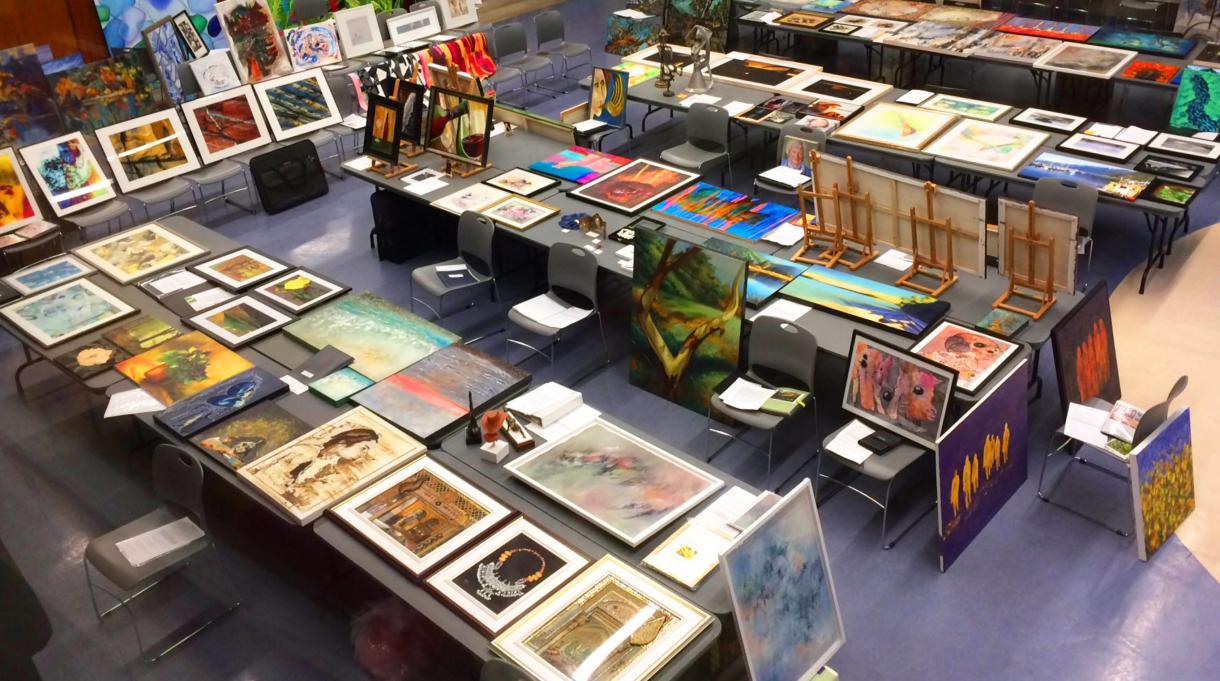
(190,85)
(344,92)
(1073,198)
(177,479)
(780,347)
(26,253)
(499,670)
(572,269)
(509,40)
(308,10)
(815,137)
(383,17)
(475,234)
(707,126)
(1156,414)
(548,26)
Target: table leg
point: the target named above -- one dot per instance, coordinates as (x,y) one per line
(651,110)
(1157,227)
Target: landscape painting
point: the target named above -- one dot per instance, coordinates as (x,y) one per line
(897,309)
(147,150)
(251,433)
(765,274)
(1162,483)
(183,366)
(142,333)
(1164,44)
(726,211)
(1118,181)
(28,111)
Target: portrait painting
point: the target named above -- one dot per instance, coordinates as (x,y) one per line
(635,186)
(726,211)
(250,433)
(68,174)
(1086,363)
(313,45)
(579,165)
(105,92)
(298,104)
(254,39)
(65,312)
(91,359)
(182,366)
(608,97)
(47,273)
(299,291)
(138,252)
(459,126)
(226,124)
(146,150)
(973,354)
(765,274)
(207,407)
(18,207)
(166,51)
(897,390)
(1162,483)
(28,110)
(142,333)
(890,307)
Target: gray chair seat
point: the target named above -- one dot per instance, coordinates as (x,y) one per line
(217,172)
(100,213)
(321,138)
(688,155)
(162,191)
(428,278)
(103,553)
(566,49)
(754,419)
(505,73)
(883,467)
(529,63)
(244,157)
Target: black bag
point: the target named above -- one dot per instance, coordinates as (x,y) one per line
(288,176)
(401,227)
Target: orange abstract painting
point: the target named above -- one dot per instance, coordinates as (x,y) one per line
(182,366)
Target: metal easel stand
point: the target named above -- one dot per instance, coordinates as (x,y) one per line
(1074,457)
(883,504)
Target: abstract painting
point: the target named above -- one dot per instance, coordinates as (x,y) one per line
(91,359)
(1086,364)
(105,92)
(383,129)
(307,475)
(1151,71)
(240,321)
(765,274)
(894,125)
(1011,47)
(241,268)
(140,334)
(1085,60)
(637,73)
(897,390)
(340,385)
(421,514)
(969,108)
(18,207)
(1162,483)
(808,20)
(68,175)
(182,366)
(782,594)
(579,165)
(191,38)
(299,291)
(890,307)
(62,313)
(1196,108)
(1045,28)
(1164,44)
(208,407)
(124,20)
(973,354)
(966,17)
(146,150)
(988,144)
(215,73)
(726,211)
(608,97)
(249,434)
(250,28)
(519,212)
(682,16)
(298,104)
(634,186)
(138,252)
(687,304)
(47,273)
(432,396)
(381,337)
(981,462)
(28,112)
(226,124)
(904,10)
(459,126)
(627,35)
(166,51)
(313,45)
(621,483)
(1108,179)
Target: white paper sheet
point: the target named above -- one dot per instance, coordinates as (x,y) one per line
(746,395)
(426,186)
(1209,136)
(847,442)
(134,401)
(631,14)
(586,126)
(356,121)
(153,544)
(782,308)
(770,17)
(914,97)
(176,282)
(725,509)
(209,298)
(786,234)
(1105,130)
(789,177)
(896,260)
(450,268)
(294,386)
(1084,424)
(548,402)
(695,99)
(359,163)
(1136,135)
(548,309)
(573,421)
(736,108)
(626,253)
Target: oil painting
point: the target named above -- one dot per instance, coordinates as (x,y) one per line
(68,174)
(28,111)
(1196,107)
(105,92)
(973,354)
(64,312)
(637,73)
(1172,193)
(682,16)
(608,97)
(726,211)
(249,434)
(142,333)
(1086,363)
(1152,71)
(765,274)
(897,126)
(298,104)
(18,207)
(47,273)
(313,45)
(254,39)
(138,252)
(1085,60)
(626,36)
(166,51)
(897,390)
(240,321)
(1118,181)
(966,17)
(299,291)
(340,385)
(579,165)
(1164,44)
(1046,28)
(890,307)
(226,124)
(459,125)
(147,150)
(205,408)
(635,186)
(239,269)
(91,359)
(182,366)
(988,144)
(1162,483)
(761,72)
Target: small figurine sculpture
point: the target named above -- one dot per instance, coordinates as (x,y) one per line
(700,59)
(669,70)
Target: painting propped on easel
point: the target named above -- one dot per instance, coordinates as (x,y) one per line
(1026,264)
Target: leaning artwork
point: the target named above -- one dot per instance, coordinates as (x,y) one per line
(1162,483)
(28,113)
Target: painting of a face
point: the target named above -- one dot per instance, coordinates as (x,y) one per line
(888,385)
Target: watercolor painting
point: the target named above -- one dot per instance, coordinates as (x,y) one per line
(966,17)
(47,273)
(147,150)
(300,290)
(123,21)
(1086,363)
(765,274)
(240,268)
(458,126)
(18,207)
(340,385)
(969,108)
(142,333)
(896,389)
(166,51)
(635,186)
(895,125)
(91,359)
(313,45)
(226,124)
(981,462)
(205,408)
(1045,28)
(1108,179)
(68,174)
(974,355)
(381,337)
(687,304)
(1164,44)
(988,144)
(476,197)
(249,434)
(138,252)
(726,211)
(608,97)
(579,165)
(782,594)
(626,486)
(1162,483)
(891,307)
(183,366)
(28,111)
(59,314)
(105,92)
(519,212)
(255,41)
(1196,107)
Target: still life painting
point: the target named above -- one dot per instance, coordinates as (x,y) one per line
(896,389)
(64,312)
(205,408)
(68,174)
(138,252)
(28,111)
(147,150)
(182,366)
(226,124)
(765,274)
(891,307)
(1162,483)
(726,211)
(250,28)
(458,126)
(973,354)
(579,165)
(249,434)
(634,186)
(298,104)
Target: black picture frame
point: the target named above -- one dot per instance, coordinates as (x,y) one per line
(1149,193)
(435,102)
(1193,169)
(836,28)
(383,129)
(1132,149)
(189,35)
(412,96)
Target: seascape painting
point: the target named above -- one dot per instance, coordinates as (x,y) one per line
(220,401)
(899,390)
(726,211)
(1162,483)
(251,433)
(28,111)
(105,92)
(183,366)
(579,165)
(1086,363)
(1118,181)
(765,274)
(254,38)
(898,309)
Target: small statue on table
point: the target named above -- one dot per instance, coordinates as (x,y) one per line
(699,38)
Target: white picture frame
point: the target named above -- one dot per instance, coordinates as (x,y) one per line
(1049,120)
(476,197)
(65,267)
(139,237)
(100,190)
(277,320)
(13,311)
(276,95)
(1100,147)
(806,70)
(704,543)
(405,29)
(982,111)
(1069,58)
(333,290)
(215,72)
(949,144)
(1180,145)
(359,33)
(211,268)
(872,89)
(457,13)
(106,137)
(970,384)
(8,159)
(193,111)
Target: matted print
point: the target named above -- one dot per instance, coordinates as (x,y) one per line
(138,252)
(519,212)
(760,72)
(476,197)
(988,144)
(458,13)
(969,108)
(359,32)
(973,354)
(298,104)
(634,186)
(299,291)
(313,45)
(1049,120)
(226,124)
(239,269)
(897,126)
(190,35)
(48,273)
(65,312)
(146,150)
(240,321)
(412,26)
(68,174)
(828,86)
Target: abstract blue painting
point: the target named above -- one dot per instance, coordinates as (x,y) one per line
(191,415)
(123,21)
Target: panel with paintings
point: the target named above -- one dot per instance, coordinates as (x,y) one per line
(203,409)
(459,126)
(608,97)
(166,51)
(1086,364)
(18,205)
(1117,181)
(635,186)
(65,312)
(91,359)
(249,434)
(1162,483)
(765,274)
(182,366)
(28,111)
(250,28)
(897,309)
(146,150)
(975,356)
(579,165)
(138,252)
(897,390)
(313,45)
(226,124)
(68,174)
(105,92)
(1196,107)
(298,104)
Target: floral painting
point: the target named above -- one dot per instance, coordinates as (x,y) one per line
(183,366)
(1163,483)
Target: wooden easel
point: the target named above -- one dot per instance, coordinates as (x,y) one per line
(842,238)
(1026,284)
(930,263)
(407,149)
(816,231)
(391,170)
(462,168)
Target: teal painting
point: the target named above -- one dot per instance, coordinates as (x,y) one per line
(340,385)
(1197,105)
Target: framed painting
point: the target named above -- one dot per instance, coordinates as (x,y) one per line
(966,17)
(330,462)
(765,274)
(1172,193)
(896,126)
(1049,120)
(412,96)
(1162,483)
(140,334)
(215,72)
(1045,28)
(167,52)
(1196,106)
(635,186)
(313,45)
(92,358)
(829,86)
(298,104)
(18,206)
(1151,71)
(1118,181)
(381,337)
(988,144)
(863,28)
(904,10)
(138,252)
(249,434)
(68,174)
(226,124)
(1086,365)
(383,128)
(459,126)
(760,72)
(182,366)
(890,307)
(254,39)
(237,270)
(240,321)
(840,28)
(1180,145)
(106,92)
(300,290)
(1092,145)
(519,212)
(341,385)
(507,574)
(421,514)
(458,13)
(65,312)
(522,182)
(405,29)
(1014,48)
(608,97)
(1169,167)
(897,390)
(579,631)
(190,35)
(781,560)
(1164,44)
(579,165)
(208,407)
(48,273)
(975,355)
(968,108)
(146,150)
(727,211)
(1086,60)
(628,487)
(809,20)
(433,396)
(28,111)
(690,553)
(476,197)
(359,32)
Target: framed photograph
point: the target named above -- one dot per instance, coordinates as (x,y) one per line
(1049,120)
(313,45)
(840,88)
(975,355)
(20,205)
(519,212)
(215,73)
(879,369)
(648,489)
(226,124)
(65,312)
(635,186)
(146,150)
(240,269)
(1086,60)
(780,560)
(459,125)
(507,574)
(1091,145)
(240,321)
(68,174)
(166,51)
(458,13)
(522,182)
(421,514)
(208,407)
(839,28)
(383,129)
(988,144)
(300,290)
(1180,145)
(412,26)
(358,30)
(1169,167)
(810,20)
(254,39)
(968,108)
(690,554)
(298,104)
(138,252)
(1172,193)
(608,97)
(46,274)
(594,613)
(896,126)
(190,35)
(476,197)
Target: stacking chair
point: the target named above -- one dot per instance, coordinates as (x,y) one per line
(344,91)
(781,354)
(475,234)
(1073,198)
(815,137)
(26,253)
(707,141)
(108,214)
(177,479)
(1138,13)
(572,282)
(550,32)
(512,51)
(222,172)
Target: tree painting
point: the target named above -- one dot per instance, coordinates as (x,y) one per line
(1086,363)
(687,305)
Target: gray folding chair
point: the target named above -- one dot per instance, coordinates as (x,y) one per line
(512,51)
(572,282)
(815,138)
(475,234)
(707,141)
(223,172)
(344,92)
(552,42)
(1073,198)
(177,479)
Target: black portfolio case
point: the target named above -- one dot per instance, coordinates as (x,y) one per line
(288,176)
